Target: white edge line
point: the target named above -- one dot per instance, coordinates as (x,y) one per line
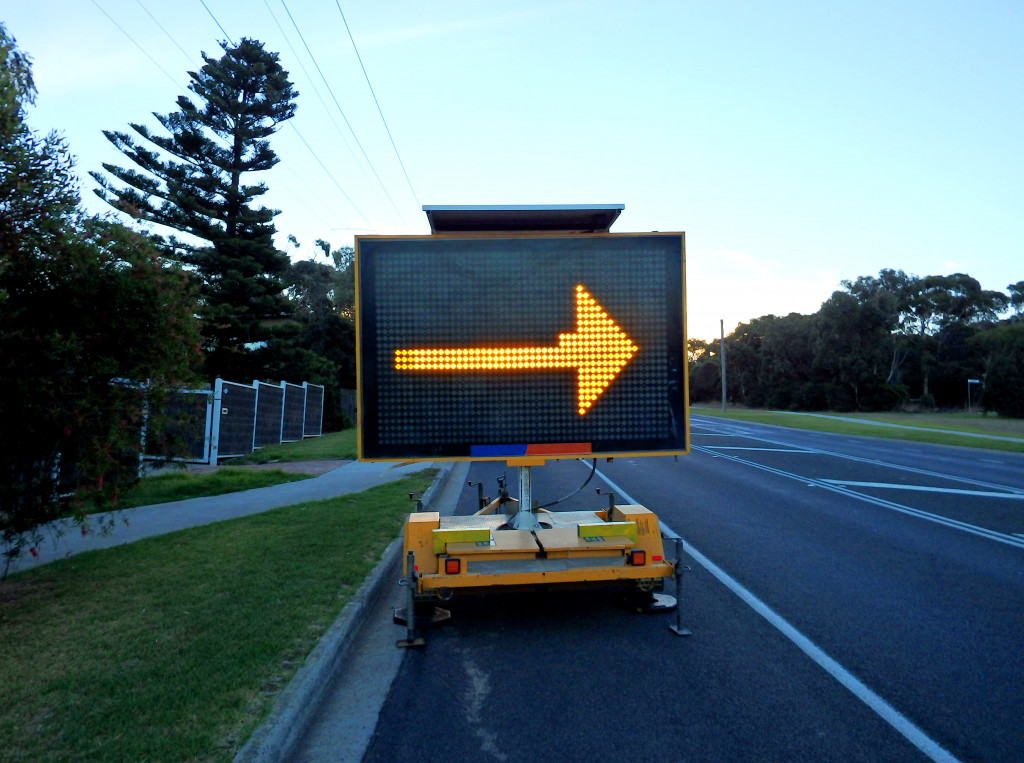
(883,709)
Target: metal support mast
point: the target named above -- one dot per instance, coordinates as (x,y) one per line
(525,518)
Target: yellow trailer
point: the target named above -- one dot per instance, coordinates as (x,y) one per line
(619,546)
(477,553)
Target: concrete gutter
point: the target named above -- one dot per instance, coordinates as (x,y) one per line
(279,733)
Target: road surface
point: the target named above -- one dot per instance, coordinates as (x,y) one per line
(850,599)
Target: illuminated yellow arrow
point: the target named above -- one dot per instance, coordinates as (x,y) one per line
(598,350)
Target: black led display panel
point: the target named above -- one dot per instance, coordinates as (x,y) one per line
(504,347)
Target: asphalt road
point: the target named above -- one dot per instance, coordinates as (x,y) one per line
(850,599)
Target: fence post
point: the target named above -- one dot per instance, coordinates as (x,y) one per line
(218,394)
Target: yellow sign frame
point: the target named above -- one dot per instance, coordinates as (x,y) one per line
(538,456)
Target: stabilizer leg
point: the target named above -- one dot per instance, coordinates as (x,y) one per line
(424,613)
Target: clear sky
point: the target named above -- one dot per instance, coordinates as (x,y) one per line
(797,144)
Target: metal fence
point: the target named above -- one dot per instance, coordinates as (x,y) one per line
(348,403)
(234,419)
(293,421)
(269,409)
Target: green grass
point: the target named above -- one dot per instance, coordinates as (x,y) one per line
(963,422)
(860,424)
(177,486)
(334,446)
(173,648)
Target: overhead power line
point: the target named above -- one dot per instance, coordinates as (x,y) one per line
(327,111)
(304,141)
(342,112)
(377,103)
(222,29)
(302,66)
(135,42)
(329,174)
(169,37)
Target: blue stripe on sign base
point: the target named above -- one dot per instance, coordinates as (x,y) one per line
(497,451)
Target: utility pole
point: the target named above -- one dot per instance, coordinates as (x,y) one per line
(721,355)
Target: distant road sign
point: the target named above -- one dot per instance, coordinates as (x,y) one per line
(500,347)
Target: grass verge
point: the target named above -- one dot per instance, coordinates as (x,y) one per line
(962,422)
(861,426)
(334,446)
(173,648)
(177,486)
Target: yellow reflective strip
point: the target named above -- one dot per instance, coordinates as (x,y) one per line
(443,536)
(607,529)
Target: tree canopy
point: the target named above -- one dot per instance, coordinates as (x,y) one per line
(95,327)
(324,297)
(262,316)
(195,181)
(876,344)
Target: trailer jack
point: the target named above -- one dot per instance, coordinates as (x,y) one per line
(424,613)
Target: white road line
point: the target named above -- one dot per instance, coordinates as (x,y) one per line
(769,450)
(898,467)
(956,524)
(883,709)
(926,488)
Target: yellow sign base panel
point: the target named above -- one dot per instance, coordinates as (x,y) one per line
(573,548)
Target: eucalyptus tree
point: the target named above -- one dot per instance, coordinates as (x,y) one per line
(1016,300)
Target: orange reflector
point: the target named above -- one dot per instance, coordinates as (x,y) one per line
(452,566)
(638,558)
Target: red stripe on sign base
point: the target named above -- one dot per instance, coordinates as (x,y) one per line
(559,449)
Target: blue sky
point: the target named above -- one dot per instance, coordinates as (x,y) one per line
(797,144)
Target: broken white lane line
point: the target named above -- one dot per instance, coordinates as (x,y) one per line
(926,489)
(767,450)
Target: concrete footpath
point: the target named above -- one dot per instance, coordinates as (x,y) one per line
(65,538)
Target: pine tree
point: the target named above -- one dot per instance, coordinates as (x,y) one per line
(193,181)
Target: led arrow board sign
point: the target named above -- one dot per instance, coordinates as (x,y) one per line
(503,347)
